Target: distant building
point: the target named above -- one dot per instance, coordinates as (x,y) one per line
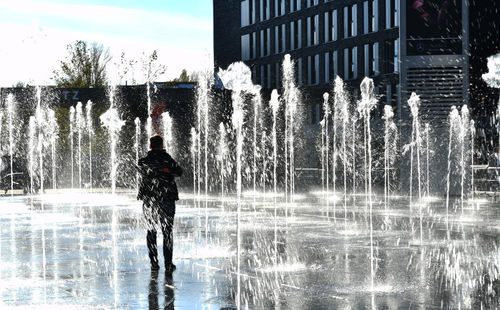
(404,45)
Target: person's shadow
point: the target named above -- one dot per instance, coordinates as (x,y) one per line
(154,292)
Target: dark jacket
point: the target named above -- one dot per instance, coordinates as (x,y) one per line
(158,170)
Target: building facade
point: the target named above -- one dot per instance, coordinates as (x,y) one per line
(351,39)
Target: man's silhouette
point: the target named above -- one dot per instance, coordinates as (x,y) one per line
(158,192)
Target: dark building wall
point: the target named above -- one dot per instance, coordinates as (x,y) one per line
(484,41)
(226,32)
(386,79)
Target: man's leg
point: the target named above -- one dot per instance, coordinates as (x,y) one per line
(152,248)
(167,212)
(151,236)
(168,239)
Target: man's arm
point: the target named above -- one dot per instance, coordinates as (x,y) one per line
(172,168)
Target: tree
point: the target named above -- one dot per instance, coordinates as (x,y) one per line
(184,77)
(84,66)
(151,68)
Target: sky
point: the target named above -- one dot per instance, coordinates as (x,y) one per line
(35,34)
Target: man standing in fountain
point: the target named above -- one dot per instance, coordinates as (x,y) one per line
(158,192)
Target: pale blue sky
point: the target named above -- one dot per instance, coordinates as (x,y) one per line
(35,33)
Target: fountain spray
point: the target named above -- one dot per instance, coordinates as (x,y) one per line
(326,109)
(291,99)
(222,156)
(193,157)
(454,121)
(414,103)
(275,106)
(472,140)
(137,123)
(111,120)
(257,103)
(322,150)
(168,135)
(389,129)
(367,103)
(79,130)
(149,121)
(427,141)
(53,134)
(238,78)
(71,137)
(40,121)
(342,105)
(10,112)
(464,135)
(90,133)
(31,155)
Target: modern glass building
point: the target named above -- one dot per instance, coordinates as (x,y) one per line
(352,39)
(404,45)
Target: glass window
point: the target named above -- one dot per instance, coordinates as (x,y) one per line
(346,63)
(292,35)
(371,59)
(370,16)
(299,69)
(262,43)
(279,7)
(327,67)
(354,62)
(268,40)
(299,33)
(245,13)
(346,22)
(316,70)
(283,38)
(276,39)
(354,20)
(334,28)
(279,39)
(253,45)
(253,11)
(396,13)
(265,10)
(366,17)
(295,5)
(351,63)
(351,21)
(367,60)
(316,29)
(391,13)
(309,70)
(309,28)
(375,59)
(335,64)
(327,26)
(262,9)
(396,55)
(245,47)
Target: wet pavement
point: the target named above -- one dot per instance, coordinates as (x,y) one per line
(88,251)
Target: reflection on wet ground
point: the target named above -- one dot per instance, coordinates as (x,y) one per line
(73,250)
